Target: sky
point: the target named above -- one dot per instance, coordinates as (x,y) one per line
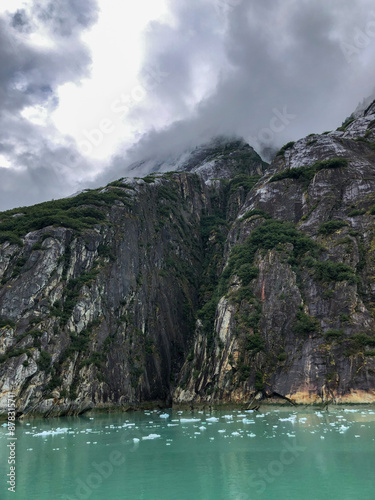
(90,87)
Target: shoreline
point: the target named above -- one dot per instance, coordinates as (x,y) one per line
(192,408)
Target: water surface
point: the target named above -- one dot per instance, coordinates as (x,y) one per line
(168,455)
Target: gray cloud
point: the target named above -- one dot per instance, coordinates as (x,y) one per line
(44,164)
(285,57)
(269,71)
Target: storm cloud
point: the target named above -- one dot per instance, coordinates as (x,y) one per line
(42,164)
(282,69)
(268,71)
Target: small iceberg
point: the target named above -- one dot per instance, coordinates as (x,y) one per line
(52,432)
(212,419)
(151,436)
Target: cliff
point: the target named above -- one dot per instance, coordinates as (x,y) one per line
(225,281)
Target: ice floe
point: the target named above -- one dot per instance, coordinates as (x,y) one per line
(52,432)
(151,436)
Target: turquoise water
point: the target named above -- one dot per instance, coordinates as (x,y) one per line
(274,454)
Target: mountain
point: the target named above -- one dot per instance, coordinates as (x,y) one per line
(225,281)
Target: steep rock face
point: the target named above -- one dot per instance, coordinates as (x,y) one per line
(92,314)
(294,307)
(100,311)
(224,282)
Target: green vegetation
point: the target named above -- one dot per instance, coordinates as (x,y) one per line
(345,123)
(167,198)
(246,273)
(79,212)
(20,262)
(282,356)
(119,183)
(168,192)
(256,212)
(259,382)
(306,174)
(331,335)
(13,353)
(105,251)
(286,146)
(344,317)
(311,142)
(53,383)
(358,343)
(247,182)
(271,234)
(334,271)
(331,226)
(37,246)
(356,212)
(72,291)
(96,359)
(244,370)
(213,233)
(149,179)
(254,343)
(305,324)
(44,361)
(4,322)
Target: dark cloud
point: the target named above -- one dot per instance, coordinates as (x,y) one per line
(66,18)
(281,69)
(44,164)
(269,71)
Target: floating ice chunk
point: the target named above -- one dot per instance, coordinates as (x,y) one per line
(52,432)
(290,435)
(350,411)
(167,444)
(322,437)
(247,421)
(164,415)
(221,430)
(261,415)
(151,436)
(228,417)
(343,429)
(235,433)
(241,416)
(202,428)
(292,419)
(212,419)
(172,425)
(357,436)
(303,420)
(251,435)
(135,440)
(188,420)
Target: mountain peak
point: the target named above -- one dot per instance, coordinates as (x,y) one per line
(222,157)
